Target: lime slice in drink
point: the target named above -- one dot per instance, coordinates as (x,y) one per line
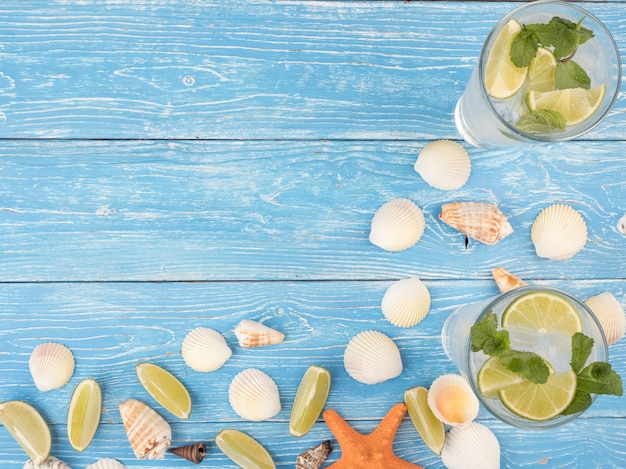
(502,77)
(28,428)
(244,450)
(576,104)
(165,388)
(541,71)
(430,428)
(540,401)
(310,400)
(84,413)
(493,377)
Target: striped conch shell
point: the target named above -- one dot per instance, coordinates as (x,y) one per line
(505,280)
(148,433)
(255,334)
(481,221)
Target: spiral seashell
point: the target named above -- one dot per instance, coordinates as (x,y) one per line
(444,164)
(313,458)
(452,400)
(397,225)
(106,463)
(255,334)
(472,446)
(194,453)
(204,349)
(481,221)
(253,395)
(505,280)
(406,302)
(51,365)
(148,433)
(371,357)
(558,232)
(610,314)
(50,463)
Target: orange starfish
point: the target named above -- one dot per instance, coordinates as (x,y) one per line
(373,451)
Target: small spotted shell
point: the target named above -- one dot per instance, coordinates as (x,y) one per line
(471,446)
(204,349)
(371,357)
(452,400)
(610,314)
(313,458)
(558,232)
(51,365)
(406,302)
(397,225)
(255,334)
(254,395)
(481,221)
(444,164)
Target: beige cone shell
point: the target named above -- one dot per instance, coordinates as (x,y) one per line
(444,165)
(472,446)
(106,463)
(252,334)
(371,357)
(254,395)
(397,225)
(505,280)
(51,365)
(452,400)
(204,349)
(610,314)
(558,232)
(406,302)
(148,433)
(481,221)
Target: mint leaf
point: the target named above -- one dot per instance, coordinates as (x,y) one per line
(581,401)
(524,47)
(542,121)
(571,75)
(556,35)
(526,364)
(486,337)
(600,378)
(581,349)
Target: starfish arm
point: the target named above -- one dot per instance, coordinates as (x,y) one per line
(339,426)
(390,423)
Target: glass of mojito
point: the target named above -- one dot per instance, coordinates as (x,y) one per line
(548,71)
(535,356)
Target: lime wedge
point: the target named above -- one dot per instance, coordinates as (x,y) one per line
(244,450)
(165,388)
(430,428)
(493,377)
(502,77)
(310,400)
(84,413)
(576,104)
(541,71)
(28,428)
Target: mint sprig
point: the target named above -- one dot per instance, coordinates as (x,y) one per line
(542,121)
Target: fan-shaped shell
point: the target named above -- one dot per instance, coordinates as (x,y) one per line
(148,433)
(371,357)
(444,164)
(472,446)
(406,302)
(253,394)
(397,225)
(204,349)
(51,365)
(505,280)
(452,400)
(558,232)
(106,463)
(255,334)
(481,221)
(610,314)
(50,463)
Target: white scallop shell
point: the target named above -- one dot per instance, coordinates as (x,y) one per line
(371,357)
(50,463)
(444,164)
(106,463)
(471,446)
(253,394)
(558,232)
(397,225)
(255,334)
(406,302)
(452,400)
(505,280)
(481,221)
(621,225)
(148,433)
(204,349)
(51,365)
(610,314)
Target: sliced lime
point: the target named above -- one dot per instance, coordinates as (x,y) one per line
(84,414)
(576,104)
(165,388)
(28,428)
(244,450)
(310,400)
(502,77)
(541,71)
(430,428)
(493,376)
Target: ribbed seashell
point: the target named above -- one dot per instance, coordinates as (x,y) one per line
(444,164)
(313,458)
(51,365)
(371,357)
(452,400)
(558,232)
(148,433)
(397,225)
(106,463)
(204,349)
(255,334)
(406,302)
(621,225)
(481,221)
(610,314)
(505,280)
(253,395)
(194,452)
(50,463)
(471,446)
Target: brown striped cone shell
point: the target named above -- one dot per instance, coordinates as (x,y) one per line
(481,221)
(194,452)
(148,433)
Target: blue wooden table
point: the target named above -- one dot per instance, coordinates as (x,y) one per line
(168,165)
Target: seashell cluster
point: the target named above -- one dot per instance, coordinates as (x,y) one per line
(255,334)
(204,349)
(472,446)
(444,164)
(610,315)
(148,433)
(406,302)
(481,221)
(313,458)
(50,463)
(51,365)
(397,225)
(371,357)
(194,452)
(505,280)
(253,395)
(106,463)
(452,400)
(558,232)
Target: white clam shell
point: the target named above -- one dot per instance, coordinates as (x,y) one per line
(148,433)
(406,302)
(610,314)
(254,395)
(371,357)
(50,463)
(472,446)
(481,221)
(444,164)
(51,365)
(452,400)
(255,334)
(106,463)
(397,225)
(558,232)
(204,349)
